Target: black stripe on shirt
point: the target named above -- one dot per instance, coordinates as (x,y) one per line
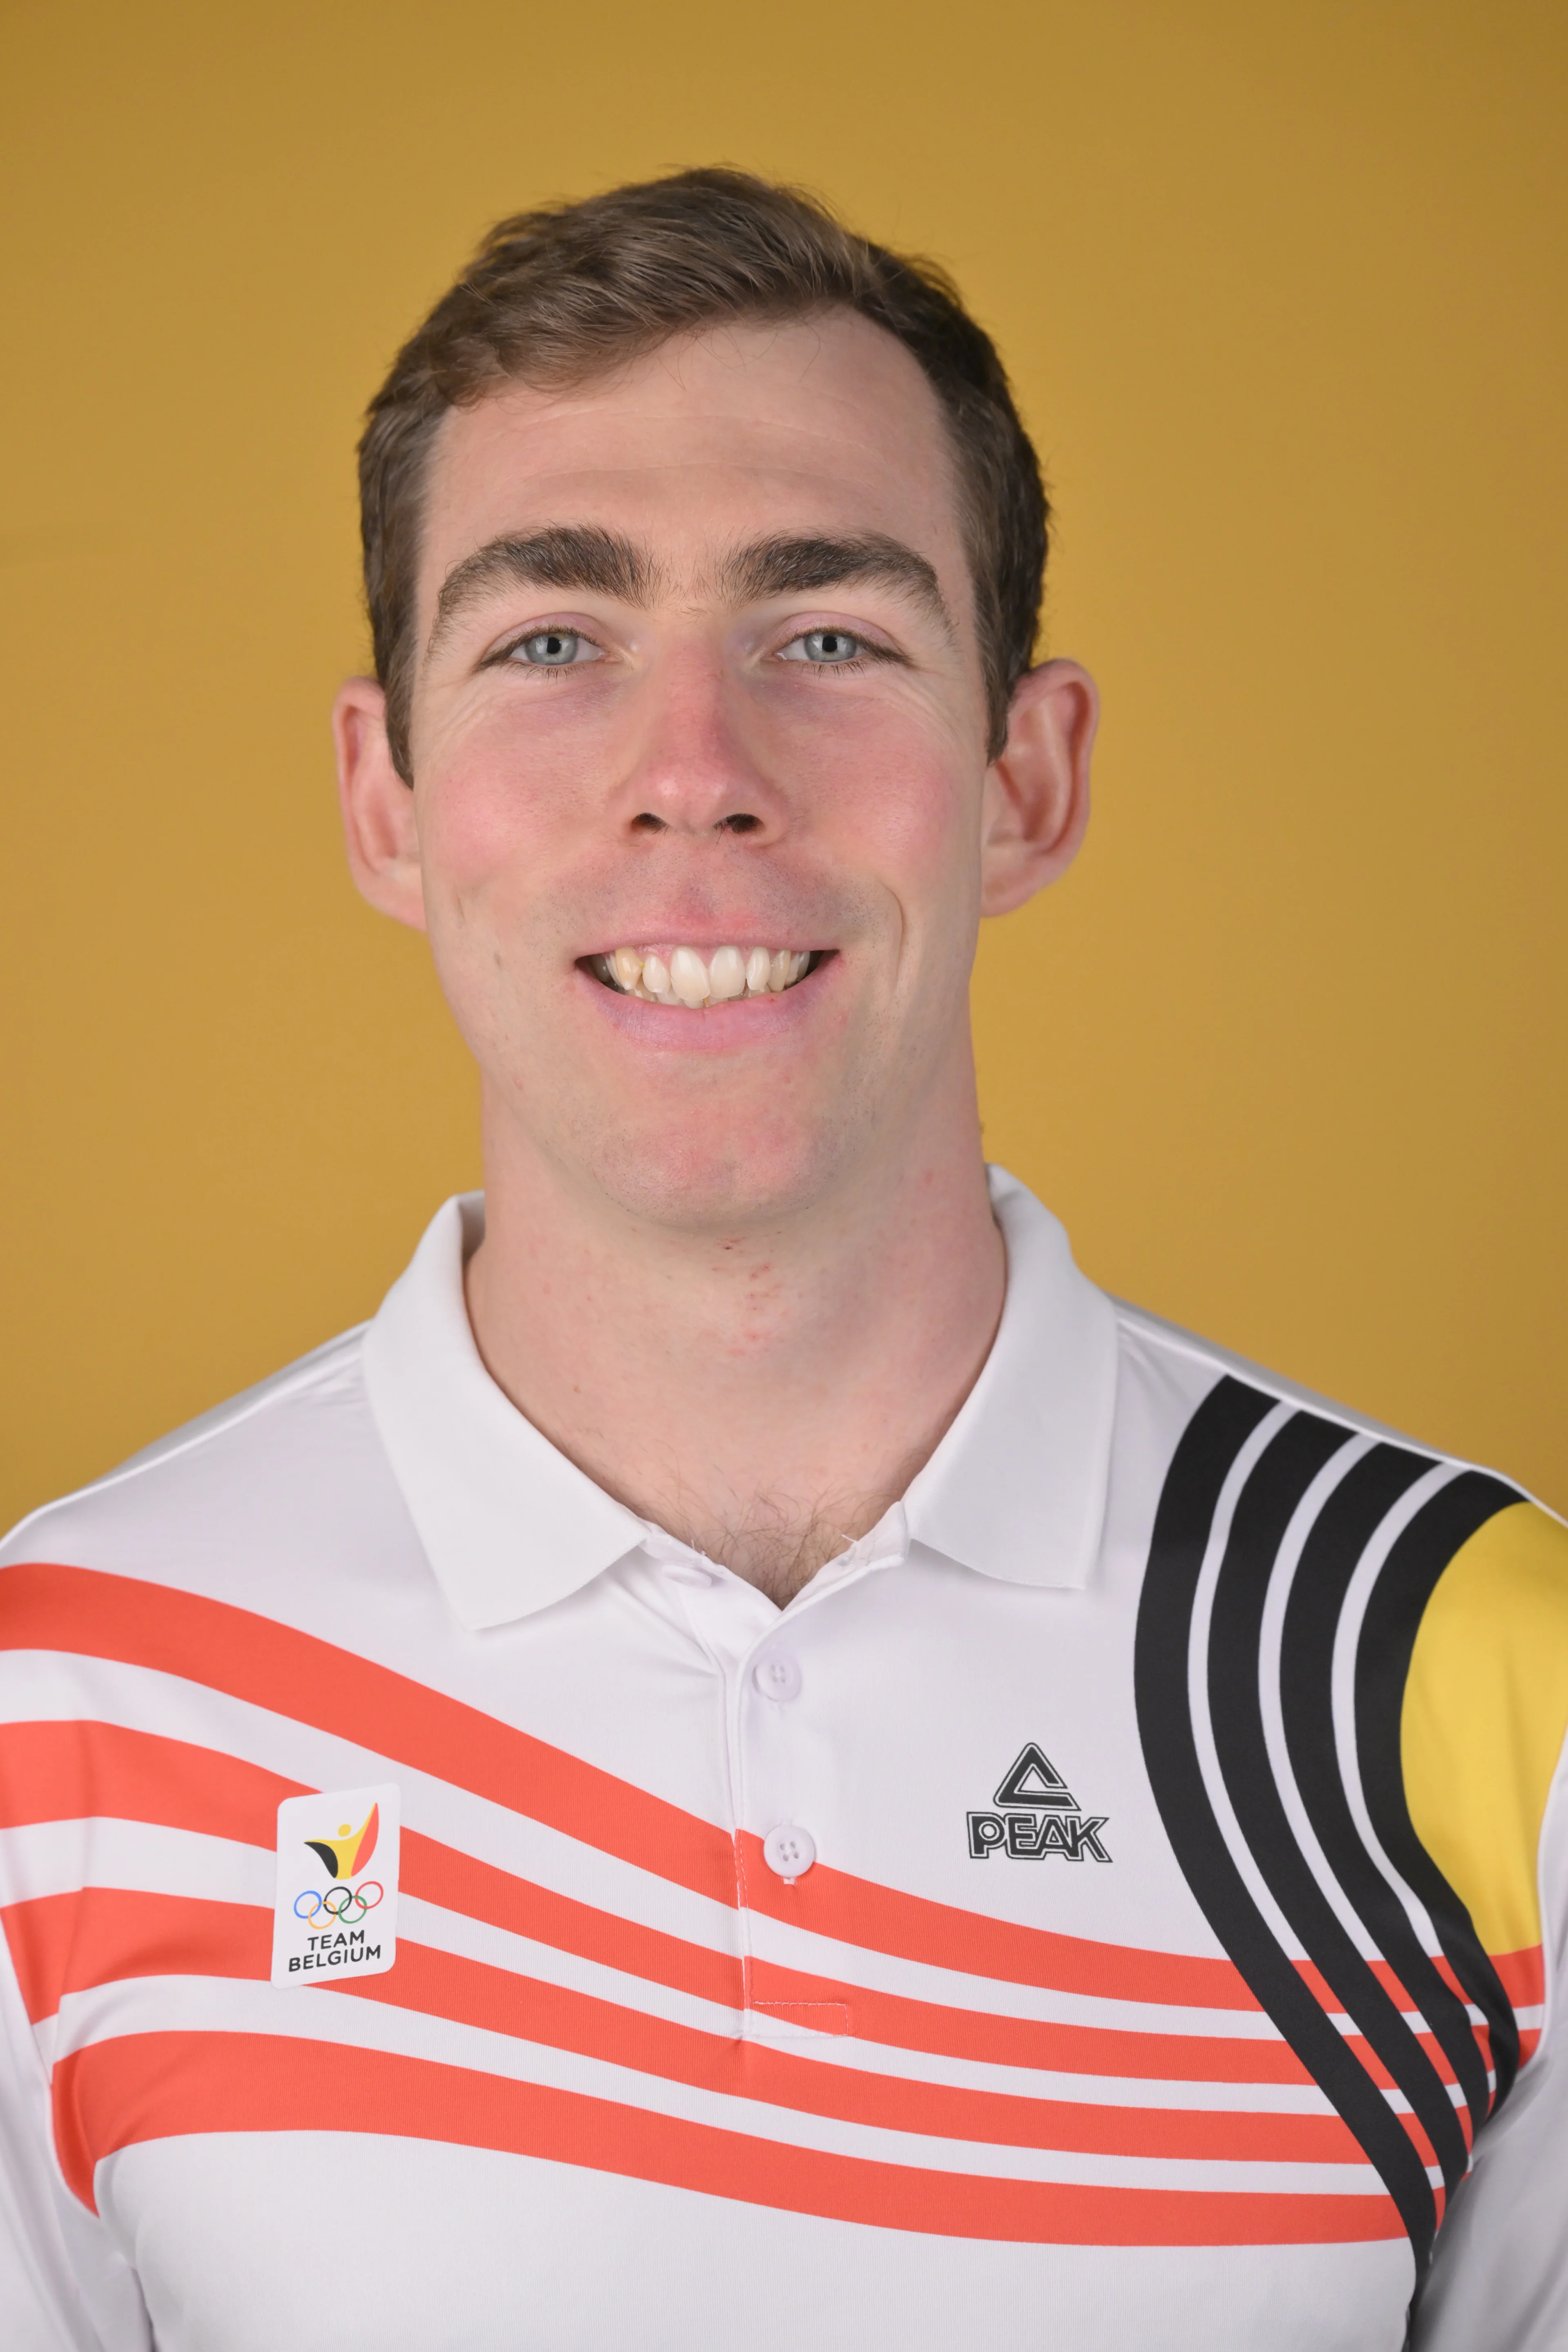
(1251,1564)
(1203,1460)
(1346,1526)
(1393,1614)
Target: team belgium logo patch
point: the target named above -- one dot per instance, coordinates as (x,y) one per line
(336,1909)
(1036,1816)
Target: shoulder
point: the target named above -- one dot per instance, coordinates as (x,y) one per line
(1440,1586)
(233,1476)
(1231,1421)
(1277,1485)
(1194,1367)
(1504,1593)
(1485,1716)
(1448,1552)
(1420,1610)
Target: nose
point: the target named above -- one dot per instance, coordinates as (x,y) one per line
(692,773)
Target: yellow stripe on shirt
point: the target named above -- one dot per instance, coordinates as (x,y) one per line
(1486,1711)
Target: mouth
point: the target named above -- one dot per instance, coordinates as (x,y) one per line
(689,979)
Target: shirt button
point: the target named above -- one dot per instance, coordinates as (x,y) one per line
(778,1676)
(789,1852)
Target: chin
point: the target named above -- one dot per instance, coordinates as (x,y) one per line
(696,1184)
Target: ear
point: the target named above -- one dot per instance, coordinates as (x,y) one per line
(1036,789)
(379,827)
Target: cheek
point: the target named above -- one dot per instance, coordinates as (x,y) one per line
(505,800)
(486,821)
(912,806)
(468,840)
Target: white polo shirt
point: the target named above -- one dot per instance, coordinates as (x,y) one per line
(1098,1912)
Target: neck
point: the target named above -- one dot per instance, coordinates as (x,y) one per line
(763,1391)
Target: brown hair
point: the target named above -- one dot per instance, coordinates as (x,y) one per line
(559,295)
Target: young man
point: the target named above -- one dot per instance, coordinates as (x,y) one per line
(754,1761)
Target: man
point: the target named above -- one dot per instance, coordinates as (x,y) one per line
(754,1762)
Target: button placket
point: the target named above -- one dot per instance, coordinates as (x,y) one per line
(789,1852)
(729,1621)
(752,1646)
(789,1848)
(778,1676)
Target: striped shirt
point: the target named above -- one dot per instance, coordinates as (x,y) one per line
(1114,1904)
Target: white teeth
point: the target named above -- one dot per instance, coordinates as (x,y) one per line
(688,976)
(686,980)
(727,975)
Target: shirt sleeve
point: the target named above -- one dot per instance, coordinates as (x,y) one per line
(63,2287)
(1486,1712)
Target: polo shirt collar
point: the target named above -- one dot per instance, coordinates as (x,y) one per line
(1015,1490)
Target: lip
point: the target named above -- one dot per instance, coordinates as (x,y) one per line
(716,1028)
(705,941)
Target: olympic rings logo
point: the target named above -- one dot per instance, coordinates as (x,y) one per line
(339,1903)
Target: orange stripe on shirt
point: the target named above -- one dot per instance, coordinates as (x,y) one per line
(140,2088)
(953,2032)
(1322,1991)
(69,1943)
(66,1770)
(85,1612)
(211,1642)
(439,1984)
(73,1770)
(478,1890)
(1523,1976)
(62,1944)
(850,1910)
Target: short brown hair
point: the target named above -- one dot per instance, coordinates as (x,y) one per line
(557,296)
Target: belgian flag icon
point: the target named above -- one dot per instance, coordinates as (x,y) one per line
(349,1853)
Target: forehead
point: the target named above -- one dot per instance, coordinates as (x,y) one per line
(710,441)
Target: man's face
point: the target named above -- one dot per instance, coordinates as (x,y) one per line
(698,712)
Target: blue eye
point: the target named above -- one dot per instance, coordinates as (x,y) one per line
(554,649)
(826,646)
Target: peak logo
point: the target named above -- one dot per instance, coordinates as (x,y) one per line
(1036,1815)
(335,1915)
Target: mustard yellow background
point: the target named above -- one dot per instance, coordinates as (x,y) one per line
(1283,290)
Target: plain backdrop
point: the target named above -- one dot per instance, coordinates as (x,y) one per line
(1283,290)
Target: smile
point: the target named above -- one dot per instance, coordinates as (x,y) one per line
(685,978)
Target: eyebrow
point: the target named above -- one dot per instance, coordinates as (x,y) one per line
(786,565)
(583,557)
(566,556)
